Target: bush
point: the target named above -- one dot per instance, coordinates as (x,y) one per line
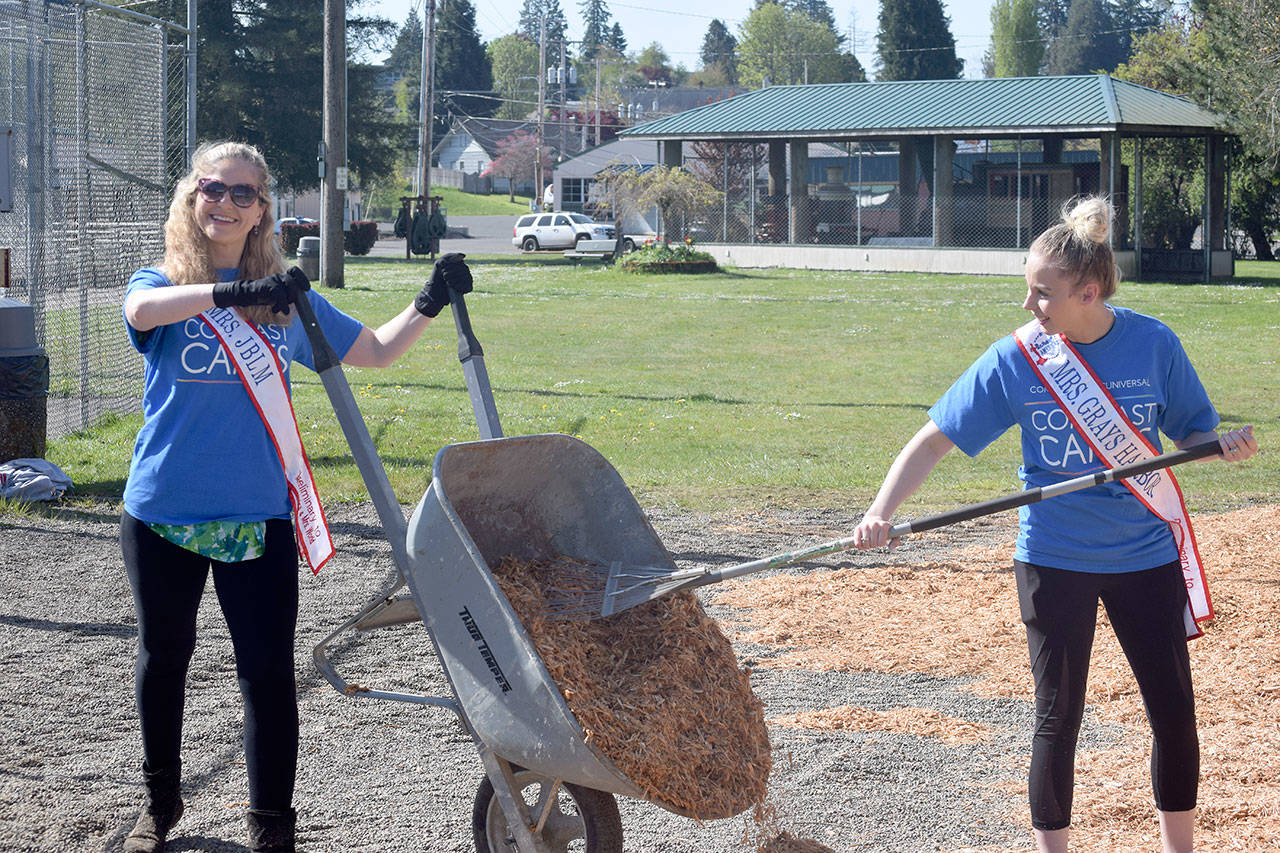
(678,257)
(360,239)
(291,233)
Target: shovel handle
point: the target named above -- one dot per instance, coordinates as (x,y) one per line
(965,513)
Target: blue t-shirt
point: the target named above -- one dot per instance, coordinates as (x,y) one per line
(203,453)
(1102,528)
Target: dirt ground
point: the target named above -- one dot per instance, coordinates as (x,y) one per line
(895,687)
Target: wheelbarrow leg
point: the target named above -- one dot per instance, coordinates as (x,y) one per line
(519,821)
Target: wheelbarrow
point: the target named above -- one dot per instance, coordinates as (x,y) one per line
(531,497)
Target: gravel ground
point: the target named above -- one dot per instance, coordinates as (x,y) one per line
(383,776)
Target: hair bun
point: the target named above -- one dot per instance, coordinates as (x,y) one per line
(1089,218)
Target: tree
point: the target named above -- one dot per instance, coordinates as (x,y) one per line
(1084,44)
(617,41)
(406,56)
(462,66)
(915,42)
(514,62)
(517,156)
(782,47)
(718,51)
(1243,69)
(1017,47)
(675,192)
(595,33)
(534,12)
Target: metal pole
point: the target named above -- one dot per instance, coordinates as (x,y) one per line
(542,108)
(859,202)
(335,99)
(82,273)
(429,113)
(36,90)
(1137,206)
(724,207)
(1017,194)
(1205,240)
(752,201)
(191,81)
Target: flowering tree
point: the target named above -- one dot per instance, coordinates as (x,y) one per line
(517,156)
(672,190)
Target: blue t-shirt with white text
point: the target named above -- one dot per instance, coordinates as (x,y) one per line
(1103,528)
(203,453)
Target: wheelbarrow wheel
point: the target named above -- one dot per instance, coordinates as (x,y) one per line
(583,820)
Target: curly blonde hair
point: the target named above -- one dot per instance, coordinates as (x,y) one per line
(1078,244)
(186,248)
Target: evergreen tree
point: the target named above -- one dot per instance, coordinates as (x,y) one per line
(1084,44)
(915,42)
(1052,16)
(549,11)
(818,10)
(462,65)
(1016,44)
(406,55)
(617,41)
(595,17)
(719,51)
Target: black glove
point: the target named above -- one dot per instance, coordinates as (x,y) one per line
(275,290)
(450,273)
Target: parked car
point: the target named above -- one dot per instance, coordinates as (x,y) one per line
(292,220)
(559,230)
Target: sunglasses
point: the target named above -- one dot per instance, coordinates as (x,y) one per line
(242,195)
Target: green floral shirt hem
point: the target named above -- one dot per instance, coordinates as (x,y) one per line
(224,541)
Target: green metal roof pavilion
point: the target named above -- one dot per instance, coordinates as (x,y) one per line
(997,107)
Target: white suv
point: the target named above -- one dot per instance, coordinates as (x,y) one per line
(557,231)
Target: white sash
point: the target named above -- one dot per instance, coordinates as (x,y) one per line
(263,377)
(1116,441)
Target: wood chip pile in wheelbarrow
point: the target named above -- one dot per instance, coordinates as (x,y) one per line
(657,689)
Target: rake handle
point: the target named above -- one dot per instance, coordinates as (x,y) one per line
(964,513)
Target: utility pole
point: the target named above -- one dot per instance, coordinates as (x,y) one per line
(542,108)
(597,139)
(334,185)
(426,109)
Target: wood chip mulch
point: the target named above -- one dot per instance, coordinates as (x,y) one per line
(656,688)
(958,616)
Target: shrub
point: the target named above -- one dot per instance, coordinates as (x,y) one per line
(663,257)
(291,233)
(360,239)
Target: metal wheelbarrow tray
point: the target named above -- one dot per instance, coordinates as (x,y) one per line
(528,497)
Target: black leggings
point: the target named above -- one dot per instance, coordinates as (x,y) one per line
(1060,609)
(259,600)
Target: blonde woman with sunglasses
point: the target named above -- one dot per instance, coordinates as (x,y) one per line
(211,484)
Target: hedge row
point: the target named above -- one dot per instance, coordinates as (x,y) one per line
(358,241)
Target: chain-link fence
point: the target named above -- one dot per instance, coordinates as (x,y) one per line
(94,101)
(1001,193)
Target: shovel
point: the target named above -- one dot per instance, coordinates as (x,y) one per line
(629,586)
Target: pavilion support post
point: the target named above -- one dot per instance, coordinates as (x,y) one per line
(673,153)
(908,189)
(801,211)
(774,214)
(1137,207)
(1216,227)
(944,155)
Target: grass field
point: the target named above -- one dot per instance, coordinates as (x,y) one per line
(459,203)
(740,389)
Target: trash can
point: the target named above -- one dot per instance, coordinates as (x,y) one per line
(309,257)
(24,384)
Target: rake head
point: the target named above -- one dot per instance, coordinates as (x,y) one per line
(598,590)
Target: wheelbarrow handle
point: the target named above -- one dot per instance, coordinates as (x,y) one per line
(471,355)
(328,366)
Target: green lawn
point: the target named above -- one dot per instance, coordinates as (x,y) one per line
(740,389)
(459,203)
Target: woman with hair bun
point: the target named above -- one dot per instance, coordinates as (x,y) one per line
(1091,386)
(218,469)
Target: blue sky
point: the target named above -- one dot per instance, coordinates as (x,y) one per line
(680,32)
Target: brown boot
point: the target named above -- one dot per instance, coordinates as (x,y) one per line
(161,808)
(271,832)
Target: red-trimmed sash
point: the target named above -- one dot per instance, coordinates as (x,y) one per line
(1116,441)
(263,377)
